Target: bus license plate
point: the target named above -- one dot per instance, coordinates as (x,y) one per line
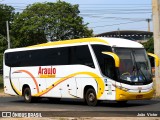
(139,96)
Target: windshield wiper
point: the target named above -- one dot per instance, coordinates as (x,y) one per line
(139,69)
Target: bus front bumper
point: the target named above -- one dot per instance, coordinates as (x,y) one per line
(122,95)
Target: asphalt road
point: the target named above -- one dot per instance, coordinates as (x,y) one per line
(68,107)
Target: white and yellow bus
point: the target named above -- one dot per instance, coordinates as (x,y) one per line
(92,69)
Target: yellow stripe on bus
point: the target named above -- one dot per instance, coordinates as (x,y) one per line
(73,41)
(99,81)
(18,92)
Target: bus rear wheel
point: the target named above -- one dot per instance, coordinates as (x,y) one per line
(90,97)
(27,95)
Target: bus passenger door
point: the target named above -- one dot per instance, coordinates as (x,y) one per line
(68,88)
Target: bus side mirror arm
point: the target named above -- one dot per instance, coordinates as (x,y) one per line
(115,57)
(155,57)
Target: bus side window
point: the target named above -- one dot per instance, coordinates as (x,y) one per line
(103,59)
(81,55)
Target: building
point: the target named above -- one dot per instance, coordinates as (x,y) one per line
(140,36)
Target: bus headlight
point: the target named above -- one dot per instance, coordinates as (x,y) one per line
(125,89)
(122,88)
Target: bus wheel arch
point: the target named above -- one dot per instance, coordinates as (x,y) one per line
(23,88)
(90,96)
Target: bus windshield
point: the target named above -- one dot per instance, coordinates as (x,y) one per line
(134,65)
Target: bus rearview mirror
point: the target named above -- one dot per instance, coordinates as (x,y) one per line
(114,56)
(155,57)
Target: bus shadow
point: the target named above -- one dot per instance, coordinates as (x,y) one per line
(128,104)
(112,104)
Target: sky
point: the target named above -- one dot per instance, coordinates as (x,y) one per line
(105,15)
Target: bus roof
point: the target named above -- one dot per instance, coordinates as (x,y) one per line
(120,42)
(113,42)
(73,41)
(116,42)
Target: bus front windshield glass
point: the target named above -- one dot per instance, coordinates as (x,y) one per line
(134,65)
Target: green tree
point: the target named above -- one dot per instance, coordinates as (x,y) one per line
(3,44)
(58,21)
(149,45)
(7,14)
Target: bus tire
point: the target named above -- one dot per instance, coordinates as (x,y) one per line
(27,95)
(90,97)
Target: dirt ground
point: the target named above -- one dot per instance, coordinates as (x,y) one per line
(2,94)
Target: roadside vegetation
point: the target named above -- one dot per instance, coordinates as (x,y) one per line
(40,23)
(1,83)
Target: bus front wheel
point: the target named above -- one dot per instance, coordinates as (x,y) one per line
(90,97)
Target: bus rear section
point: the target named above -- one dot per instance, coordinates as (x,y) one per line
(68,72)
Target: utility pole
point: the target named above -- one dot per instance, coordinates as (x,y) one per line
(156,33)
(8,38)
(148,20)
(119,32)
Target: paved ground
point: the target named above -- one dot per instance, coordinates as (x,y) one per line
(8,103)
(68,109)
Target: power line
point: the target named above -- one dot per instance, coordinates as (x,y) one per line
(105,11)
(116,24)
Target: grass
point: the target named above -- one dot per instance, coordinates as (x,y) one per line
(1,83)
(1,90)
